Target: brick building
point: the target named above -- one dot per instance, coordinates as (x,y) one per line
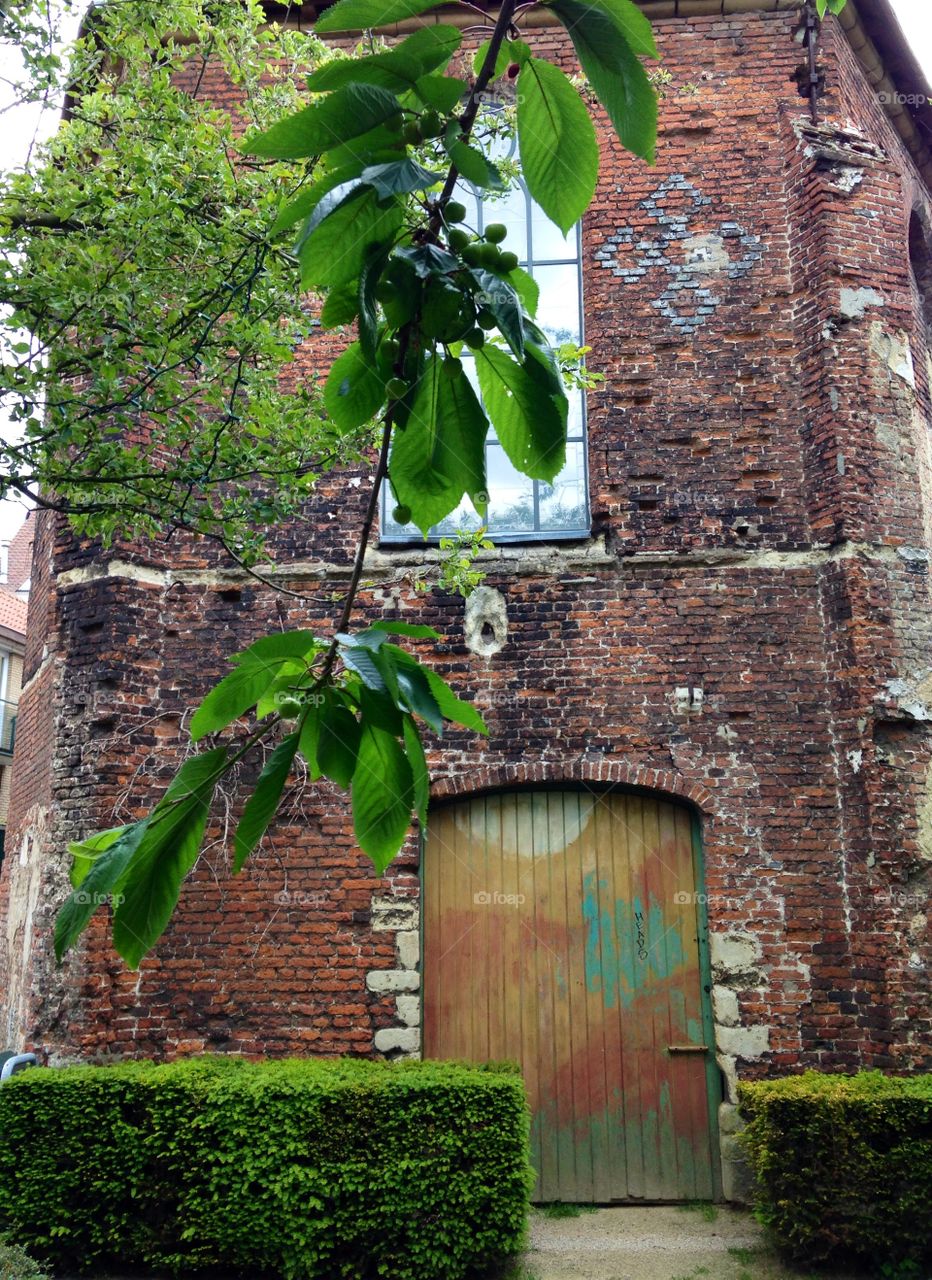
(702,819)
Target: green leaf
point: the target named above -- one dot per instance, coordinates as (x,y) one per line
(341,306)
(257,668)
(166,853)
(309,738)
(615,73)
(368,306)
(558,147)
(304,204)
(452,707)
(527,289)
(399,177)
(502,58)
(353,392)
(101,881)
(416,693)
(503,302)
(416,630)
(362,662)
(829,6)
(344,114)
(262,804)
(278,646)
(631,22)
(441,92)
(383,793)
(361,15)
(474,167)
(86,852)
(441,453)
(397,69)
(529,418)
(335,251)
(414,750)
(338,743)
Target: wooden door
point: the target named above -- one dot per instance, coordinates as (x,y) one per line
(563,929)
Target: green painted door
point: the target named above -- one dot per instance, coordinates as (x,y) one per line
(564,930)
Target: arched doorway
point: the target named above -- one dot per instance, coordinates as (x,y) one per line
(564,929)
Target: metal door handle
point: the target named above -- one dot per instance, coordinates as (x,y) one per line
(687,1048)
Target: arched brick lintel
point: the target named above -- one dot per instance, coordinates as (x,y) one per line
(552,772)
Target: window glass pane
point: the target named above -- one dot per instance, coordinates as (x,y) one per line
(576,415)
(547,240)
(563,504)
(511,495)
(558,308)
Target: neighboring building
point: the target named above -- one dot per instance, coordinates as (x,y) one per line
(702,819)
(12,643)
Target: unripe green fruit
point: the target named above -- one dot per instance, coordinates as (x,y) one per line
(396,387)
(472,254)
(458,239)
(489,255)
(485,318)
(455,212)
(508,262)
(495,232)
(452,367)
(390,349)
(289,708)
(412,134)
(475,339)
(401,514)
(431,124)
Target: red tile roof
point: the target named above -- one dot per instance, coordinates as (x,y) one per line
(13,613)
(20,555)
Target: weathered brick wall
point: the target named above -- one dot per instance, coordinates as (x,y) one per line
(759,481)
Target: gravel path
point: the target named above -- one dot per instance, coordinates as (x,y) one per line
(652,1244)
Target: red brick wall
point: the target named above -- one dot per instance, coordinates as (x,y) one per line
(760,528)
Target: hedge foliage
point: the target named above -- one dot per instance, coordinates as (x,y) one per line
(843,1164)
(15,1264)
(300,1168)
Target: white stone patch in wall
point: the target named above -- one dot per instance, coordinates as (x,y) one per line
(734,954)
(408,943)
(895,352)
(383,981)
(853,303)
(401,917)
(392,1039)
(485,625)
(725,1006)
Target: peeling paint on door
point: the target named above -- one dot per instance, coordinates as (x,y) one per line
(563,930)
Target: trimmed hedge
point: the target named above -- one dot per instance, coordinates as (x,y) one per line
(300,1168)
(843,1165)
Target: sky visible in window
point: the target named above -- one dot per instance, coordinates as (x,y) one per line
(20,128)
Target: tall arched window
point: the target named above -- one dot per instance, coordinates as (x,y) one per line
(920,261)
(521,509)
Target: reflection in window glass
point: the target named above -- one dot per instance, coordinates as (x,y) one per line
(520,508)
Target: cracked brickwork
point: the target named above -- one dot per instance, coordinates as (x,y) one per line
(748,629)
